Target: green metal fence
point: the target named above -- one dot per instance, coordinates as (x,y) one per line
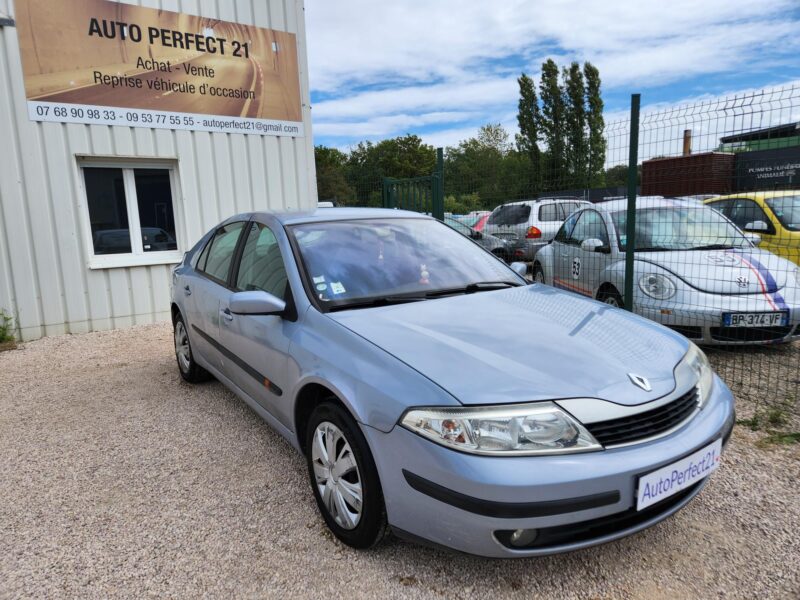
(419,194)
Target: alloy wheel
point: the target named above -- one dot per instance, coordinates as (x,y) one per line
(336,475)
(182,350)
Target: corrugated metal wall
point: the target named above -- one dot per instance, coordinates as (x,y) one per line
(45,282)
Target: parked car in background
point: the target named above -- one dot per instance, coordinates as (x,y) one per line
(474,217)
(529,225)
(500,248)
(695,271)
(435,394)
(481,222)
(775,216)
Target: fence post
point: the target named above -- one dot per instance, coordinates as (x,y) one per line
(630,227)
(438,186)
(387,203)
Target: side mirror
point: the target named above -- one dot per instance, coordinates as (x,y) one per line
(753,238)
(520,268)
(756,227)
(476,235)
(256,302)
(591,245)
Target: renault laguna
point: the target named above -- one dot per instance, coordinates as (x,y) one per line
(436,395)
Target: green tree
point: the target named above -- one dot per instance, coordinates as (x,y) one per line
(552,123)
(368,164)
(596,125)
(576,149)
(494,136)
(618,176)
(331,175)
(528,118)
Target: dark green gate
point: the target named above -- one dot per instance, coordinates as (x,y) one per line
(419,194)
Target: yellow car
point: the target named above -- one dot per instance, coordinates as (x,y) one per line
(775,216)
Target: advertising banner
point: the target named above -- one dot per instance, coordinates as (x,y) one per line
(103,62)
(768,169)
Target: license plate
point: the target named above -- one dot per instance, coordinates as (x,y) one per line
(669,480)
(759,319)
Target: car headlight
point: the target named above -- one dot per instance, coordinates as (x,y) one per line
(520,429)
(657,286)
(697,362)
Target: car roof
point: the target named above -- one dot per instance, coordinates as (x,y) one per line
(338,214)
(612,206)
(543,200)
(762,195)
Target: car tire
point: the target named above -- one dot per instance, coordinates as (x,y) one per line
(189,369)
(330,426)
(609,295)
(538,273)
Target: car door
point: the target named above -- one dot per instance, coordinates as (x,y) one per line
(258,345)
(208,287)
(587,265)
(561,251)
(746,212)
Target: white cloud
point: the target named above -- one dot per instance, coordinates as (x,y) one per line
(438,61)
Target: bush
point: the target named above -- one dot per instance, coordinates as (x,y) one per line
(6,328)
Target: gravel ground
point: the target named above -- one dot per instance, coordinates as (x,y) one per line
(120,480)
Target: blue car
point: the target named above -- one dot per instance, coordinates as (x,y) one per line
(436,395)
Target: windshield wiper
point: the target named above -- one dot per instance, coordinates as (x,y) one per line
(378,301)
(471,288)
(714,247)
(654,249)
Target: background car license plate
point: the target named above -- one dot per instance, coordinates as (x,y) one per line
(759,319)
(681,474)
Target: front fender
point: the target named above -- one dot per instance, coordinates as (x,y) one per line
(376,387)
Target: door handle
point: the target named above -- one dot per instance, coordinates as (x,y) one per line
(187,290)
(226,314)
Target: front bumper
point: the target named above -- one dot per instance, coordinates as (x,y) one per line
(532,492)
(698,316)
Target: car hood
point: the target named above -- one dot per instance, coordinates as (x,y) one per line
(745,271)
(522,344)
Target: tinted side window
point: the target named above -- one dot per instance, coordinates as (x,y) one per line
(589,226)
(566,229)
(220,251)
(261,267)
(723,206)
(550,212)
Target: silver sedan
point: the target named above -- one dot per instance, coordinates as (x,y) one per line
(436,395)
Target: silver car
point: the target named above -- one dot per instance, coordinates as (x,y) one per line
(500,248)
(695,271)
(435,394)
(528,225)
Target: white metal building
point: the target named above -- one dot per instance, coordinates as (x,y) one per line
(60,272)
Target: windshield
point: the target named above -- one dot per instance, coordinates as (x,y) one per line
(346,262)
(787,209)
(680,228)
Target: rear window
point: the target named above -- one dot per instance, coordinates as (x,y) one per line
(510,214)
(550,212)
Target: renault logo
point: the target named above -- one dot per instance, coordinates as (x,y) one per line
(640,381)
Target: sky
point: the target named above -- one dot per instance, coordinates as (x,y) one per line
(442,68)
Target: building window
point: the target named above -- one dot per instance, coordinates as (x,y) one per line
(131,212)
